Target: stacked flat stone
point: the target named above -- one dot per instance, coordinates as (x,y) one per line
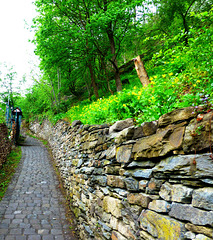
(154,181)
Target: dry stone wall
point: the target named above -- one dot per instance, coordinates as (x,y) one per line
(5,144)
(149,182)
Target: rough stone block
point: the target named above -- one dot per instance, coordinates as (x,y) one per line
(104,226)
(203,198)
(146,129)
(165,191)
(202,237)
(154,186)
(142,173)
(88,145)
(123,153)
(140,199)
(112,205)
(152,146)
(181,193)
(182,166)
(76,123)
(194,141)
(143,184)
(114,222)
(112,170)
(159,206)
(146,236)
(115,181)
(189,235)
(124,135)
(200,229)
(188,213)
(176,116)
(131,184)
(109,153)
(98,180)
(117,236)
(162,227)
(125,230)
(142,164)
(120,125)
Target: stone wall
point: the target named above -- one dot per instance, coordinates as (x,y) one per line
(5,144)
(154,181)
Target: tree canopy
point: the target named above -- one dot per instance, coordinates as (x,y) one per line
(86,47)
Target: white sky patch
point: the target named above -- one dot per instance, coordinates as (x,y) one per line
(15,49)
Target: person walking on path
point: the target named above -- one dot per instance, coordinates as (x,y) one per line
(33,206)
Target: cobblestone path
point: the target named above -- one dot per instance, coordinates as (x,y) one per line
(33,207)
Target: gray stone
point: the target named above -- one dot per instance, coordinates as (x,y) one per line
(76,123)
(189,235)
(87,170)
(88,229)
(116,181)
(140,199)
(123,153)
(160,206)
(154,186)
(141,164)
(98,180)
(120,125)
(149,128)
(104,226)
(188,213)
(181,193)
(117,236)
(202,237)
(109,153)
(145,173)
(143,184)
(182,165)
(200,229)
(207,180)
(165,191)
(197,140)
(121,192)
(176,116)
(151,146)
(203,198)
(131,184)
(124,135)
(160,226)
(80,162)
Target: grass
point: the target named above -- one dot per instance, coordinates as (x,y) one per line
(8,169)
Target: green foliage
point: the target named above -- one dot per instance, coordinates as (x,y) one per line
(8,169)
(78,40)
(178,79)
(2,113)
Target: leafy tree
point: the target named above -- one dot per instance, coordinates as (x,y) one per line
(172,14)
(7,85)
(72,34)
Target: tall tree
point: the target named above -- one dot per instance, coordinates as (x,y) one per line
(176,13)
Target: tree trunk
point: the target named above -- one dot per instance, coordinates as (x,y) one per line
(93,81)
(141,71)
(59,85)
(114,61)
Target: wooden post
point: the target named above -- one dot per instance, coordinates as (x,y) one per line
(141,71)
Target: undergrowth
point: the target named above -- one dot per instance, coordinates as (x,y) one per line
(180,77)
(8,169)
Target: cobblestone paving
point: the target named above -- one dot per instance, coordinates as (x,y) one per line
(33,207)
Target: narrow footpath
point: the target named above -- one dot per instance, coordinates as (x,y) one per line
(33,207)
